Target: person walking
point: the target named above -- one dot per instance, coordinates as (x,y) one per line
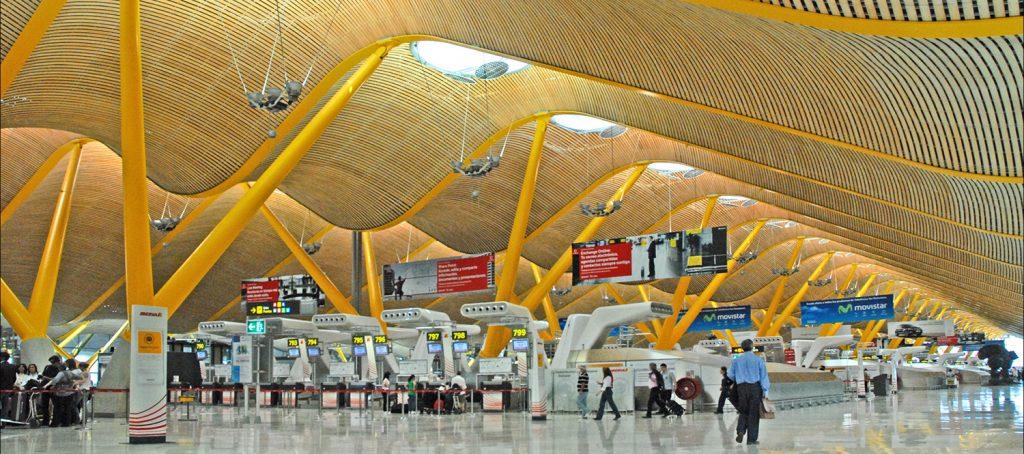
(656,386)
(606,395)
(751,377)
(582,391)
(669,376)
(723,395)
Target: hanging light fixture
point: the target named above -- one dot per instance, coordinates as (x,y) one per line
(600,210)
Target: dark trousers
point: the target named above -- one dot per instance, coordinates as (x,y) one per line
(63,410)
(722,398)
(750,410)
(656,398)
(45,399)
(606,397)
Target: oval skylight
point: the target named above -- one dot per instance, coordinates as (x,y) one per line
(736,201)
(584,124)
(675,169)
(463,63)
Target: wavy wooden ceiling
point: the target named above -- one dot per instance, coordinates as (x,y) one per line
(875,143)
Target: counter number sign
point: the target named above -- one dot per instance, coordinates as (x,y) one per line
(518,332)
(433,336)
(312,342)
(380,339)
(255,327)
(293,342)
(358,339)
(458,335)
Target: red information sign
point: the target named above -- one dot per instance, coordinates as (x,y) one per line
(790,356)
(947,340)
(464,274)
(604,262)
(261,291)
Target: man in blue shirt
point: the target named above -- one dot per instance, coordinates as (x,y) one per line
(751,377)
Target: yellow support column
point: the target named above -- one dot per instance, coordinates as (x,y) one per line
(40,174)
(522,218)
(497,338)
(683,284)
(691,314)
(941,314)
(30,35)
(871,334)
(935,310)
(185,279)
(41,303)
(780,288)
(834,327)
(372,284)
(863,290)
(794,302)
(337,299)
(137,258)
(549,309)
(16,314)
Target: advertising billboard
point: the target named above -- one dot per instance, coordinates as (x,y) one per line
(921,328)
(718,318)
(427,278)
(281,295)
(650,257)
(844,310)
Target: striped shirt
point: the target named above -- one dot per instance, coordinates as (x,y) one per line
(583,383)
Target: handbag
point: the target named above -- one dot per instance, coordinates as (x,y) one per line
(767,409)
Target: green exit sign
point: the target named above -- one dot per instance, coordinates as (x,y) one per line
(256,327)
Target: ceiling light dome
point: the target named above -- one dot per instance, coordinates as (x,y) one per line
(585,124)
(675,169)
(462,63)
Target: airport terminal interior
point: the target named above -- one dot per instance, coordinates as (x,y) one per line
(511,226)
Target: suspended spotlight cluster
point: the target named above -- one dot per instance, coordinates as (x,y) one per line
(165,224)
(747,257)
(850,291)
(785,271)
(607,299)
(275,99)
(476,167)
(312,248)
(556,291)
(820,282)
(600,210)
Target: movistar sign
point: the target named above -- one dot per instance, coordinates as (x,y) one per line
(846,310)
(736,317)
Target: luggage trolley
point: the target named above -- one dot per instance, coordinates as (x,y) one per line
(25,404)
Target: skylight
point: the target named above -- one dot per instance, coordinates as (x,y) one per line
(463,63)
(736,201)
(675,169)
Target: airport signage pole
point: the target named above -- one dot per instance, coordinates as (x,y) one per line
(147,417)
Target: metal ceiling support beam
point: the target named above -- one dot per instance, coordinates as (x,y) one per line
(66,338)
(935,310)
(497,337)
(683,283)
(517,235)
(40,174)
(113,338)
(30,35)
(372,283)
(870,334)
(780,288)
(185,279)
(159,246)
(41,303)
(17,315)
(138,262)
(691,314)
(549,309)
(839,291)
(337,299)
(794,302)
(272,271)
(939,317)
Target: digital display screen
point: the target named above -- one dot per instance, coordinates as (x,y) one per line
(460,347)
(293,352)
(382,349)
(359,350)
(433,347)
(312,352)
(520,345)
(458,335)
(358,339)
(273,308)
(433,336)
(200,345)
(312,342)
(518,333)
(201,355)
(293,342)
(380,339)
(186,349)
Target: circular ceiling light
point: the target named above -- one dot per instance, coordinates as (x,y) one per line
(454,60)
(583,124)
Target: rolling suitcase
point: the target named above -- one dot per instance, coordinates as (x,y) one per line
(675,408)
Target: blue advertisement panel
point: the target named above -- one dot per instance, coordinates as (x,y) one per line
(735,318)
(845,310)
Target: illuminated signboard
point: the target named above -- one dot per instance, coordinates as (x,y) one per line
(460,347)
(520,345)
(458,335)
(359,350)
(290,307)
(293,352)
(293,342)
(518,333)
(434,347)
(358,339)
(380,339)
(312,342)
(433,336)
(312,352)
(200,345)
(382,349)
(255,327)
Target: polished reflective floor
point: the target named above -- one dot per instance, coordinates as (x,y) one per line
(972,419)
